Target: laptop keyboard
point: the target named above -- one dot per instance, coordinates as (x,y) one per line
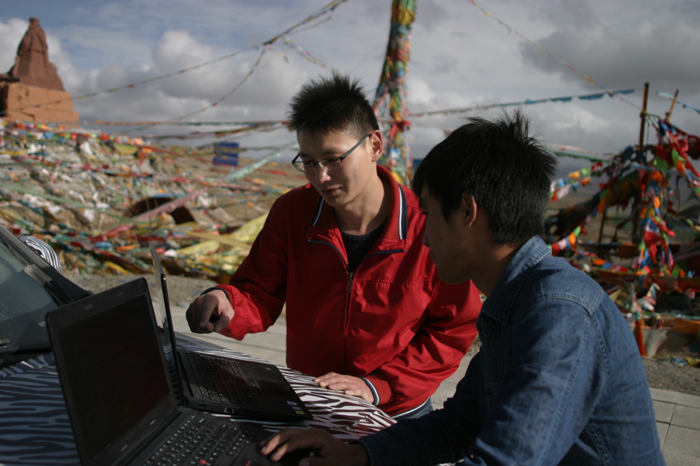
(202,442)
(221,380)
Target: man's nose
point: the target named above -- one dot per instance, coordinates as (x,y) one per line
(321,173)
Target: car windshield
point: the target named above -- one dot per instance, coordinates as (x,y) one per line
(26,294)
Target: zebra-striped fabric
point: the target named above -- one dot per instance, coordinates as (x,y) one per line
(42,250)
(35,430)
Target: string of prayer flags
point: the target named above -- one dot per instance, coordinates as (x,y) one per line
(262,127)
(238,174)
(329,8)
(304,53)
(682,104)
(596,96)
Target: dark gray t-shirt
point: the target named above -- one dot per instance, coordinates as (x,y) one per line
(357,246)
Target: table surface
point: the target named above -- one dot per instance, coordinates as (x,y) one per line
(35,429)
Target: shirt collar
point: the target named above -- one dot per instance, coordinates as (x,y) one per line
(503,297)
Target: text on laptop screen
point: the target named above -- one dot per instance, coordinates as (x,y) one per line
(137,384)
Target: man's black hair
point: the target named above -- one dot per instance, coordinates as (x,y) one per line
(336,103)
(502,166)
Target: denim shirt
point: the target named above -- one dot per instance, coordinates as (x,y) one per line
(558,380)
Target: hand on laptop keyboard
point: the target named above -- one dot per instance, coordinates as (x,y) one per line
(318,441)
(293,458)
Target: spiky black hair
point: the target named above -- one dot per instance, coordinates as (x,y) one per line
(335,103)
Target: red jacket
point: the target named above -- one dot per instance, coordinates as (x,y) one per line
(393,323)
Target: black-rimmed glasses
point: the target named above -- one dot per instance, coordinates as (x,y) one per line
(331,163)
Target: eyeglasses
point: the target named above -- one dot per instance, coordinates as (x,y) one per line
(331,163)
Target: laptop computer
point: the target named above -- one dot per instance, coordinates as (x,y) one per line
(118,394)
(222,384)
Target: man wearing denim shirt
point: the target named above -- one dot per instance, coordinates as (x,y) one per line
(558,379)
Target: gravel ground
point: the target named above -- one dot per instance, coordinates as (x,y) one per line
(661,374)
(672,376)
(181,290)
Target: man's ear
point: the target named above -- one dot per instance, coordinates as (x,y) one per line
(376,141)
(469,208)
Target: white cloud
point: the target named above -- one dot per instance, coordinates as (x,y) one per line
(421,96)
(11,34)
(178,48)
(574,117)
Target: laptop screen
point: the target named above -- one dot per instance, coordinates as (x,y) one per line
(114,372)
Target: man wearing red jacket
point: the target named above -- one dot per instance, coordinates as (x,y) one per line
(366,311)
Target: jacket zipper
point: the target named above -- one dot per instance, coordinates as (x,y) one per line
(351,278)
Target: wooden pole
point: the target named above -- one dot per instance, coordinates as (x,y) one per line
(673,104)
(635,225)
(603,217)
(639,337)
(643,117)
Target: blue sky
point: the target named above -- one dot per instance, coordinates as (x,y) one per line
(460,58)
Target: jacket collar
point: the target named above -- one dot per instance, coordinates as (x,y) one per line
(325,226)
(500,304)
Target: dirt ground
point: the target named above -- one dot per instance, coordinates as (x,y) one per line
(661,374)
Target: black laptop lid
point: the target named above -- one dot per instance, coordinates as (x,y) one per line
(165,321)
(112,371)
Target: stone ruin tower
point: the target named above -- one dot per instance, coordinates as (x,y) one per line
(33,80)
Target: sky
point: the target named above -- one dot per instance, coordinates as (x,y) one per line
(460,57)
